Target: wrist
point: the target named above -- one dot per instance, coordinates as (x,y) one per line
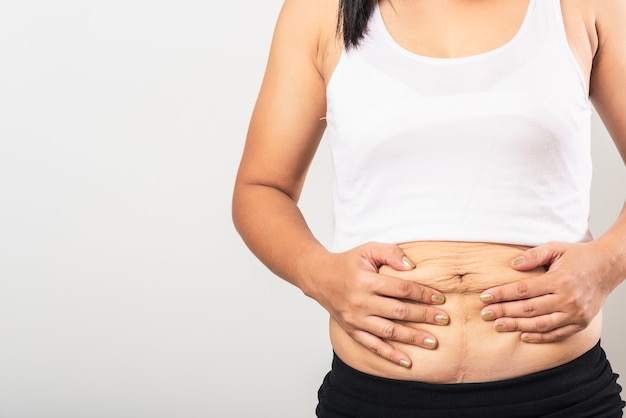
(310,267)
(613,253)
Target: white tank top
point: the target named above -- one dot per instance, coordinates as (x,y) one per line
(493,147)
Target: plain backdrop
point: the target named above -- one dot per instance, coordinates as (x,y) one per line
(124,290)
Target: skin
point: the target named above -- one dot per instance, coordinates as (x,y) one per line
(562,302)
(287,125)
(469,349)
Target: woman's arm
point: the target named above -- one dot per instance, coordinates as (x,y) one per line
(580,277)
(284,133)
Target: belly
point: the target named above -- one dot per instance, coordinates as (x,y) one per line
(470,349)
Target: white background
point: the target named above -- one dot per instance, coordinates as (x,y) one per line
(124,289)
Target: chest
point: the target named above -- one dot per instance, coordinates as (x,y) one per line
(452,29)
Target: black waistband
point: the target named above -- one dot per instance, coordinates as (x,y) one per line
(585,380)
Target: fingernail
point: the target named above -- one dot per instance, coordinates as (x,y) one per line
(442,319)
(405,363)
(486,298)
(526,338)
(430,342)
(517,261)
(500,327)
(407,262)
(438,299)
(487,315)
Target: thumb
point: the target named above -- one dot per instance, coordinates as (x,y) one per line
(393,256)
(534,257)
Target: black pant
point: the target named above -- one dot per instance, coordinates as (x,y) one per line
(584,387)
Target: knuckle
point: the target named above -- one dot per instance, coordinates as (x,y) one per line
(584,320)
(389,331)
(423,315)
(422,295)
(375,348)
(404,288)
(356,303)
(558,335)
(528,308)
(566,282)
(554,247)
(573,302)
(413,338)
(360,304)
(542,324)
(401,311)
(351,316)
(385,352)
(349,320)
(363,281)
(522,288)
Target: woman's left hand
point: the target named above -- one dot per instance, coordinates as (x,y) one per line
(557,304)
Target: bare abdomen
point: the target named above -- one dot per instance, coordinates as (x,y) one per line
(470,349)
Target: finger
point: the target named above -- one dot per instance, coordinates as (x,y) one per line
(390,255)
(553,336)
(405,289)
(527,308)
(382,349)
(536,257)
(538,324)
(393,331)
(519,290)
(400,310)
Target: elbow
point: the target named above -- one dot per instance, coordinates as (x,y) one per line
(236,208)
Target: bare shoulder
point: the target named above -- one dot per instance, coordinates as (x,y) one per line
(312,17)
(610,19)
(609,11)
(310,25)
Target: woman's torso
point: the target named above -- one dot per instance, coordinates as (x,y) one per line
(492,147)
(470,349)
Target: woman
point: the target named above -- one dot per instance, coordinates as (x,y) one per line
(463,280)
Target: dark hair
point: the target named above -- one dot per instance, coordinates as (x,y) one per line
(354,15)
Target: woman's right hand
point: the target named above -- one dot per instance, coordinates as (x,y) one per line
(370,306)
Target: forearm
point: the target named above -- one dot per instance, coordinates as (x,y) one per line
(613,245)
(272,226)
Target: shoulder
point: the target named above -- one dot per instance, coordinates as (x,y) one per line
(610,20)
(310,26)
(609,17)
(605,20)
(309,21)
(595,27)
